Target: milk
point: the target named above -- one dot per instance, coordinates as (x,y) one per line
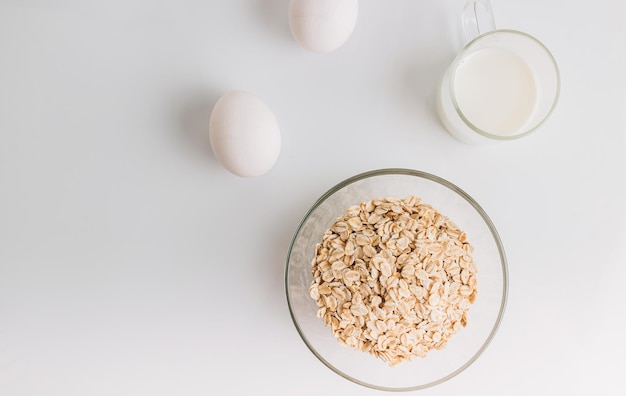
(496,91)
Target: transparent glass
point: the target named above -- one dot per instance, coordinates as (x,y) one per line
(542,86)
(484,315)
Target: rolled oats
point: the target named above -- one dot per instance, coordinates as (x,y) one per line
(393,278)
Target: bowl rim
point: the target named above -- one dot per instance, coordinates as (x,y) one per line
(460,192)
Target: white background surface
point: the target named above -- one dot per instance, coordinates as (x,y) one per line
(131,263)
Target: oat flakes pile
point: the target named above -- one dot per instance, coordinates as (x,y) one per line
(394,278)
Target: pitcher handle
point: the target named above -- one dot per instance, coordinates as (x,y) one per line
(477,18)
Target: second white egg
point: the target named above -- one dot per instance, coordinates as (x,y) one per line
(244,134)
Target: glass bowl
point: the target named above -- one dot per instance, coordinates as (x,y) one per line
(484,315)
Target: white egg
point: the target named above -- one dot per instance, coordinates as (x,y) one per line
(322,25)
(244,134)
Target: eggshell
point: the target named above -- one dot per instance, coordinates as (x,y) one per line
(322,25)
(244,134)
